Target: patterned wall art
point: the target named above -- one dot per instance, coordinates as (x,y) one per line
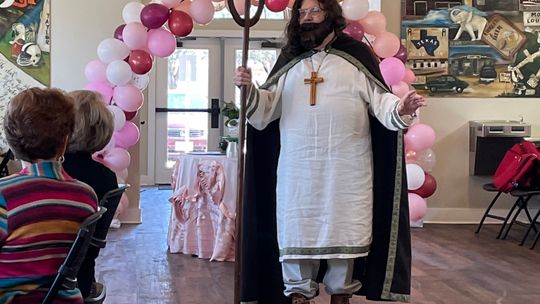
(473,48)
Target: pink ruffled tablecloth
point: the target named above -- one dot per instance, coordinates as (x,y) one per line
(203,211)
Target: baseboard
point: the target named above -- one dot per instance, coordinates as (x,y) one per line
(466,215)
(131,216)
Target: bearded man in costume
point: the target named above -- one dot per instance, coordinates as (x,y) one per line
(325,170)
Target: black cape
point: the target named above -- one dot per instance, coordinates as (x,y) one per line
(385,274)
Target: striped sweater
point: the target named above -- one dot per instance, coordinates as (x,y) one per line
(41,209)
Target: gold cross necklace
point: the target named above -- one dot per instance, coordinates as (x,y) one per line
(314,80)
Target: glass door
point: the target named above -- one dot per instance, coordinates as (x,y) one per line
(188,91)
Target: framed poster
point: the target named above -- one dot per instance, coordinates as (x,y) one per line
(473,48)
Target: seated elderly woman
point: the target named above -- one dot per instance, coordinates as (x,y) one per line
(94,126)
(41,207)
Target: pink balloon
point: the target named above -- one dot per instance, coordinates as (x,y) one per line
(386,45)
(277,5)
(128,98)
(374,23)
(185,6)
(239,5)
(122,205)
(122,176)
(419,137)
(127,136)
(400,89)
(354,30)
(135,35)
(409,76)
(119,31)
(117,159)
(171,3)
(103,88)
(392,70)
(202,11)
(154,15)
(161,42)
(417,207)
(95,71)
(410,157)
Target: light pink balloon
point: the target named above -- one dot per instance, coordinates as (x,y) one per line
(171,3)
(117,159)
(185,6)
(392,70)
(122,205)
(135,35)
(417,207)
(95,71)
(127,136)
(400,89)
(122,176)
(128,98)
(202,11)
(419,137)
(119,117)
(355,9)
(161,42)
(374,23)
(409,76)
(415,176)
(386,45)
(104,88)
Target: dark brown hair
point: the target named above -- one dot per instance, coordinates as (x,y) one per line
(37,122)
(332,11)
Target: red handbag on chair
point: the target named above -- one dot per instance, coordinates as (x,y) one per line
(518,168)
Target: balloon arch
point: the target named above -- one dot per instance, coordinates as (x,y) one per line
(120,74)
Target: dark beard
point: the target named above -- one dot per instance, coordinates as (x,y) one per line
(313,34)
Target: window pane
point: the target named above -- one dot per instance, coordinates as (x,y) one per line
(186,132)
(188,79)
(260,62)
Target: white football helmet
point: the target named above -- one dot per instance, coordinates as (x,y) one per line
(30,55)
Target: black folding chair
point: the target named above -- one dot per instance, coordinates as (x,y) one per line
(522,202)
(110,200)
(5,160)
(532,226)
(66,278)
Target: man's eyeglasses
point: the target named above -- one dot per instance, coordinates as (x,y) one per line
(313,11)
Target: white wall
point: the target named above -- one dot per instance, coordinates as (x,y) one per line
(77,29)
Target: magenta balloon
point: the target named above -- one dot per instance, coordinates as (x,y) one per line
(103,88)
(119,31)
(392,70)
(135,35)
(128,98)
(354,30)
(277,5)
(95,71)
(154,15)
(400,89)
(386,45)
(127,136)
(419,137)
(417,207)
(402,54)
(161,42)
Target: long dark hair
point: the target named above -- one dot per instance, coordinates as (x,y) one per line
(292,33)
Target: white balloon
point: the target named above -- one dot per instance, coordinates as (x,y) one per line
(132,12)
(355,9)
(119,72)
(415,176)
(111,49)
(140,81)
(118,116)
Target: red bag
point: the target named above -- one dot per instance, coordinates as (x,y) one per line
(518,168)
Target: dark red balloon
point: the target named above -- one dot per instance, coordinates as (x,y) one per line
(118,32)
(140,62)
(130,115)
(355,30)
(180,23)
(154,15)
(428,188)
(402,54)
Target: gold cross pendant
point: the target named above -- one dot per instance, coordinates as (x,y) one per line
(313,81)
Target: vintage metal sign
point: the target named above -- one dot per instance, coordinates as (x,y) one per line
(503,36)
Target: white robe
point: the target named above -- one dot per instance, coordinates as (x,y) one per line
(324,177)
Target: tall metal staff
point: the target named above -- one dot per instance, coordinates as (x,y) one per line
(246,23)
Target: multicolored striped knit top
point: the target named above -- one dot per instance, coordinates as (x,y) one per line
(41,209)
